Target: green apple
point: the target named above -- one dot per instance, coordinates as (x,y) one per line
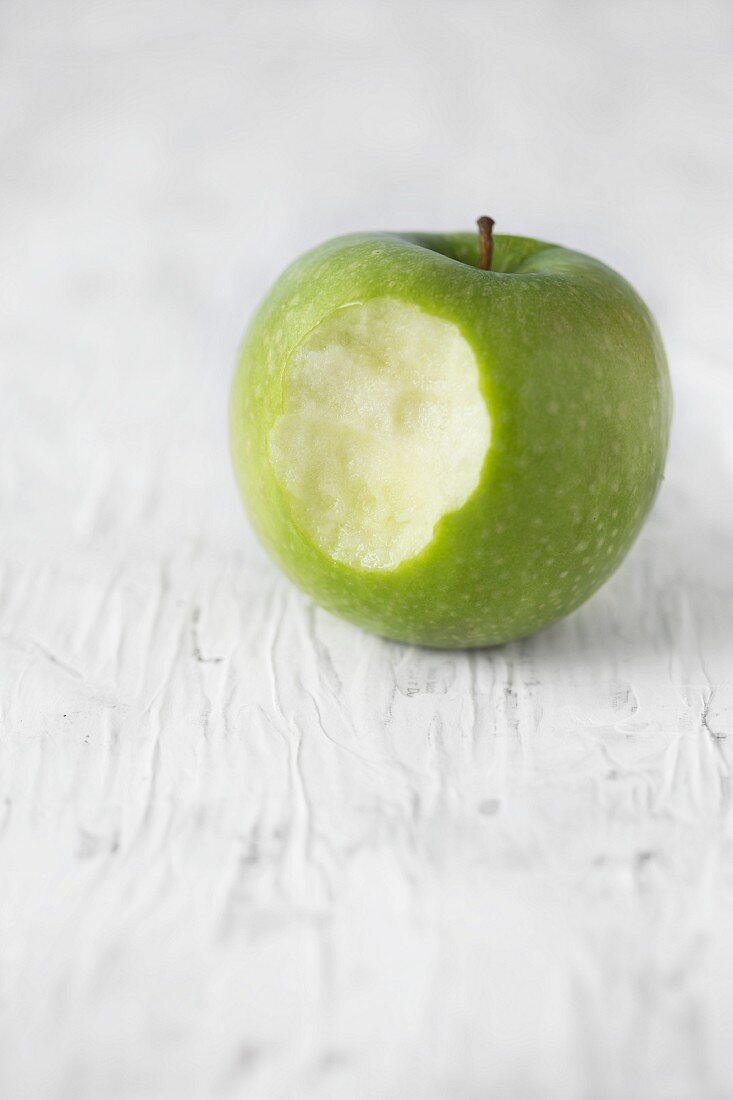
(448,439)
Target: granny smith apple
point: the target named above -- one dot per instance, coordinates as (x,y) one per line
(450,439)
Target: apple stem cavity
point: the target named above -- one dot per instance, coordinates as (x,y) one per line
(485,242)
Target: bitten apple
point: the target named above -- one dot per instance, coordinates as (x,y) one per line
(450,439)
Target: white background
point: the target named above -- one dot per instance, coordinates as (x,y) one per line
(245,849)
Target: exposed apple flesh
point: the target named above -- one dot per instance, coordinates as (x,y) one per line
(383,431)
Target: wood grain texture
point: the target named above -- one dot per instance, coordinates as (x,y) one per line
(245,849)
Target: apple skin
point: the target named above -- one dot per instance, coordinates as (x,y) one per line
(575,378)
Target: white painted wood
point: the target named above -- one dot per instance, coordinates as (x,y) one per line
(245,849)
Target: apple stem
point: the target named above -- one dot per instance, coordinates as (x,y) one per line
(485,242)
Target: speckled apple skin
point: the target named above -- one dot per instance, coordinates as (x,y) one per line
(575,379)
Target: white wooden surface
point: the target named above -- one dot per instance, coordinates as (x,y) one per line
(246,850)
